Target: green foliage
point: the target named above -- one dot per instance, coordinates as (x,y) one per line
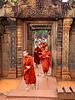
(40,32)
(36,31)
(14,0)
(67,0)
(46,32)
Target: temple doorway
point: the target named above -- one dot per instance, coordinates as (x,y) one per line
(37,31)
(35,35)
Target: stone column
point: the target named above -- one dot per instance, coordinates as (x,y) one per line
(65,50)
(33,42)
(53,47)
(25,35)
(19,42)
(12,26)
(59,49)
(49,39)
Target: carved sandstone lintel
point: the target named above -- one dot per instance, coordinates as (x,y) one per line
(66,28)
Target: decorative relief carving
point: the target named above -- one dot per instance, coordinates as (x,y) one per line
(12,25)
(66,28)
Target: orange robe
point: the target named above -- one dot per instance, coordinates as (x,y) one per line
(46,61)
(29,74)
(42,49)
(37,52)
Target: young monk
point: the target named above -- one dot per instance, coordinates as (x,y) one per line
(46,60)
(43,44)
(37,52)
(29,72)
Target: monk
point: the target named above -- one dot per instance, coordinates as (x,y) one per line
(40,51)
(29,72)
(40,44)
(46,60)
(37,52)
(43,44)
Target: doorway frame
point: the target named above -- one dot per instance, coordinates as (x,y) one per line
(54,24)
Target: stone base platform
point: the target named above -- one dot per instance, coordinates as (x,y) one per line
(45,90)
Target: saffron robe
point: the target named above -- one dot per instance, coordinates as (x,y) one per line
(29,74)
(37,52)
(46,60)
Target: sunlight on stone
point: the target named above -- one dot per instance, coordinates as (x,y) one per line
(68,83)
(7,85)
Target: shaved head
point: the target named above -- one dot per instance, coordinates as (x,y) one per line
(25,53)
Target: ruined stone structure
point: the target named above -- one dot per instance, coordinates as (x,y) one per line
(17,33)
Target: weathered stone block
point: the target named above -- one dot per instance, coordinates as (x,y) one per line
(12,72)
(11,76)
(4,73)
(6,57)
(7,29)
(19,69)
(19,75)
(66,77)
(5,38)
(29,47)
(66,73)
(5,47)
(59,71)
(29,42)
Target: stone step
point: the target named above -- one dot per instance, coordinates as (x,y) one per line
(66,92)
(42,83)
(45,89)
(30,99)
(49,94)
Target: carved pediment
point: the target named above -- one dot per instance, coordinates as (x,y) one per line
(38,9)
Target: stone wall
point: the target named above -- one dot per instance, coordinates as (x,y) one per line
(0,57)
(5,44)
(72,50)
(6,69)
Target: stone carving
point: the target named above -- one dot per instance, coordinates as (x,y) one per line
(37,9)
(66,28)
(12,25)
